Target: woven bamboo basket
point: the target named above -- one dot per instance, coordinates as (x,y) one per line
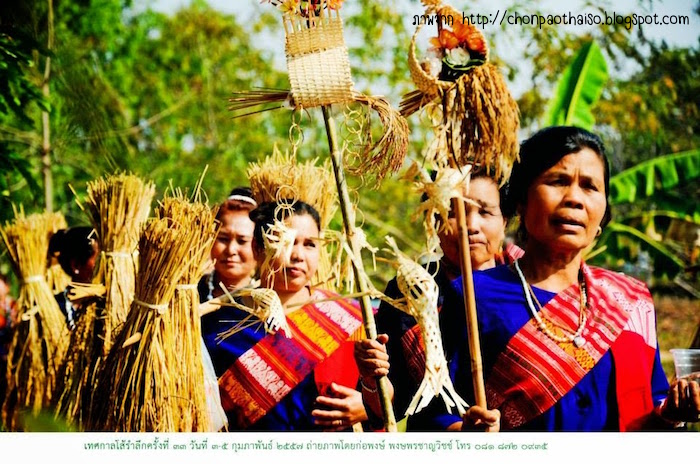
(429,85)
(317,60)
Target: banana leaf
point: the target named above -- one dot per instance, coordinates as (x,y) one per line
(649,177)
(579,89)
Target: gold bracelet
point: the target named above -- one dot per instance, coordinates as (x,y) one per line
(365,387)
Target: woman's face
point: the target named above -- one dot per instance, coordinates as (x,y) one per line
(293,276)
(566,203)
(485,225)
(233,250)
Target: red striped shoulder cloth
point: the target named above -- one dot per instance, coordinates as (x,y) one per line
(321,340)
(534,371)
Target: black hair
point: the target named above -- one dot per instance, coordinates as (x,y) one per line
(240,199)
(478,173)
(72,244)
(264,216)
(545,149)
(242,191)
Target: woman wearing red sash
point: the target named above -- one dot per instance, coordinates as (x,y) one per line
(565,346)
(304,381)
(400,339)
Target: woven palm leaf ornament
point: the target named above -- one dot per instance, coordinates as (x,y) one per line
(420,301)
(320,76)
(475,123)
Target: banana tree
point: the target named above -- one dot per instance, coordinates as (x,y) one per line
(640,196)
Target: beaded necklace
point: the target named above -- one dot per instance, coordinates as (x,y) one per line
(570,337)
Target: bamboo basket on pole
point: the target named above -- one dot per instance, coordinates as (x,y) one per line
(136,387)
(40,337)
(189,403)
(477,126)
(320,76)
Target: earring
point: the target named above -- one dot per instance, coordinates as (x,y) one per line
(599,231)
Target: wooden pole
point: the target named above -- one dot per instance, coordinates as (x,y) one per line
(349,225)
(467,280)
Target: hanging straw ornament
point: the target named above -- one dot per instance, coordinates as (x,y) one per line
(189,404)
(439,193)
(421,299)
(320,76)
(118,205)
(262,303)
(475,118)
(56,277)
(136,388)
(41,334)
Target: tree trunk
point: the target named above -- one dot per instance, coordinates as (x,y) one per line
(45,123)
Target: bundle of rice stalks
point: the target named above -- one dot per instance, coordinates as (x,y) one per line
(57,279)
(40,337)
(475,118)
(189,404)
(282,177)
(118,205)
(77,374)
(136,386)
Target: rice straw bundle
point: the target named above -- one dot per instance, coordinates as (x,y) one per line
(386,156)
(190,410)
(40,337)
(56,277)
(478,119)
(282,177)
(118,205)
(136,387)
(78,372)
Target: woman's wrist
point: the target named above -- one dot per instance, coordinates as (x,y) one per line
(670,423)
(369,385)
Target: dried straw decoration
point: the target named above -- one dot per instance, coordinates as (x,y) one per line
(40,337)
(189,404)
(56,277)
(477,120)
(281,177)
(78,373)
(320,75)
(136,388)
(118,205)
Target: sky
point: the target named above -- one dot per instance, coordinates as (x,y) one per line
(675,35)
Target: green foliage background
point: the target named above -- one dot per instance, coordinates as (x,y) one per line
(136,90)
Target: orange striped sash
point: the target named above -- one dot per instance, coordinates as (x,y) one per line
(263,375)
(534,372)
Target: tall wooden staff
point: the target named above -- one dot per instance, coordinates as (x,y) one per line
(479,127)
(357,267)
(319,74)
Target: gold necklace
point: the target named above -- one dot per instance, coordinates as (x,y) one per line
(570,337)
